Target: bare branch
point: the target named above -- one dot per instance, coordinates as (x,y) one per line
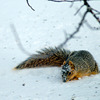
(18,40)
(88,25)
(21,46)
(29,5)
(79,9)
(63,0)
(77,30)
(94,15)
(90,9)
(91,27)
(69,0)
(96,10)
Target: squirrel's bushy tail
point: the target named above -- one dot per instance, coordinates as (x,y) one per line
(45,57)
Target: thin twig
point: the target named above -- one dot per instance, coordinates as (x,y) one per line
(79,9)
(94,15)
(91,27)
(69,0)
(90,9)
(96,10)
(77,30)
(14,31)
(29,5)
(88,25)
(72,4)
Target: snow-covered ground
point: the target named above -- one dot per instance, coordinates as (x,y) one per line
(44,28)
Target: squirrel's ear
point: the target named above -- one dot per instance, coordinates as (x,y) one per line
(71,65)
(64,62)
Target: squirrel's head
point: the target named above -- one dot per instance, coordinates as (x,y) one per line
(67,70)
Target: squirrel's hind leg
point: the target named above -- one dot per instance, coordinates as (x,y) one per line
(75,78)
(96,69)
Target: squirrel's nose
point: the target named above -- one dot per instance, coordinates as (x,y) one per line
(64,79)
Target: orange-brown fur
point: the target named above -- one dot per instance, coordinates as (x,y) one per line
(46,57)
(81,62)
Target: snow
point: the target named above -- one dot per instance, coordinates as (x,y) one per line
(44,28)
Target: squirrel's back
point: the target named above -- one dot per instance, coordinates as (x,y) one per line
(83,59)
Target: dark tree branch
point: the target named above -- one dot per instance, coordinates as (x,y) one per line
(91,27)
(69,0)
(14,31)
(88,10)
(88,25)
(29,5)
(77,30)
(64,0)
(95,10)
(79,9)
(72,35)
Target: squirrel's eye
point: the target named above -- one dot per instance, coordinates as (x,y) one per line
(69,73)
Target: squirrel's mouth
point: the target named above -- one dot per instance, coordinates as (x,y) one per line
(65,78)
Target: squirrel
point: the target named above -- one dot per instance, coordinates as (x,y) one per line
(74,64)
